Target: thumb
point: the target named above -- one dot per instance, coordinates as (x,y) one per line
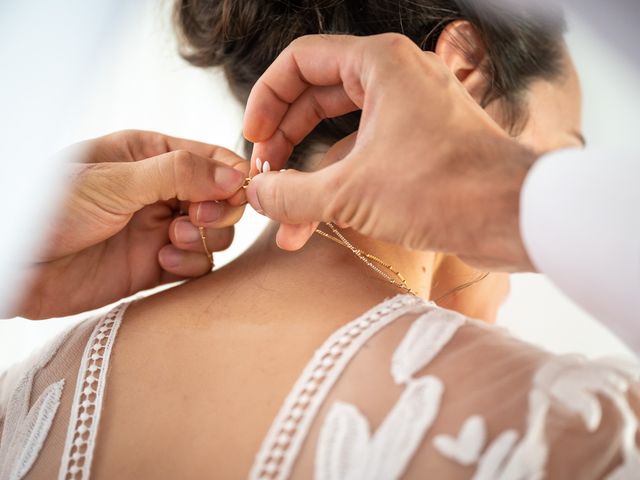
(175,175)
(292,197)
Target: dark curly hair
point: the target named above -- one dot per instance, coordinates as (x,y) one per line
(245,36)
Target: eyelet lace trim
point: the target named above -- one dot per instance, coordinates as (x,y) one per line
(289,429)
(87,402)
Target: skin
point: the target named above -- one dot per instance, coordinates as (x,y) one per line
(554,112)
(220,353)
(119,229)
(475,170)
(554,121)
(113,231)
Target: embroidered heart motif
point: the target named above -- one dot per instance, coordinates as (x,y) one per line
(347,449)
(467,447)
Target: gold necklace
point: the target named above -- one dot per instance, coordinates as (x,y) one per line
(367,258)
(203,233)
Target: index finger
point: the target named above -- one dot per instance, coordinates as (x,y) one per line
(145,144)
(312,60)
(141,144)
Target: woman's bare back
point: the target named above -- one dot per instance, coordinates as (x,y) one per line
(308,375)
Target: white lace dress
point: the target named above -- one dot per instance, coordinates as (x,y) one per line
(407,390)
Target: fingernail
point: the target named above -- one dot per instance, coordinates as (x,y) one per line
(209,212)
(266,167)
(186,232)
(228,179)
(252,196)
(259,164)
(170,257)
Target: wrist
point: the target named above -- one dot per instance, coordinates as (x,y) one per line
(518,160)
(498,239)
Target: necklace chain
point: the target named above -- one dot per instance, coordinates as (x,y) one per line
(367,258)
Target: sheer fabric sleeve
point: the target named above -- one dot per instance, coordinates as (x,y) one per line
(38,395)
(436,395)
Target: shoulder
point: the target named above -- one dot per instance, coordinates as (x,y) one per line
(436,392)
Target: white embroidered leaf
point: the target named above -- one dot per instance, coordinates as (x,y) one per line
(575,384)
(424,340)
(623,366)
(16,412)
(584,403)
(403,429)
(491,462)
(35,428)
(18,405)
(466,447)
(342,444)
(530,455)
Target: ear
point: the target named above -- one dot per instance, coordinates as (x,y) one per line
(462,49)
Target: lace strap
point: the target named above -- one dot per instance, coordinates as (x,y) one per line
(282,444)
(87,402)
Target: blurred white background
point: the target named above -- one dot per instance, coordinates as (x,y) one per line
(145,85)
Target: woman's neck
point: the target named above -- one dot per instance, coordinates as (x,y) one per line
(335,261)
(327,263)
(322,285)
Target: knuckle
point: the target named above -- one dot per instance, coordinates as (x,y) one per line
(182,156)
(276,200)
(266,198)
(183,171)
(299,43)
(122,138)
(397,43)
(126,133)
(304,40)
(152,142)
(317,108)
(438,71)
(132,137)
(282,204)
(395,55)
(339,207)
